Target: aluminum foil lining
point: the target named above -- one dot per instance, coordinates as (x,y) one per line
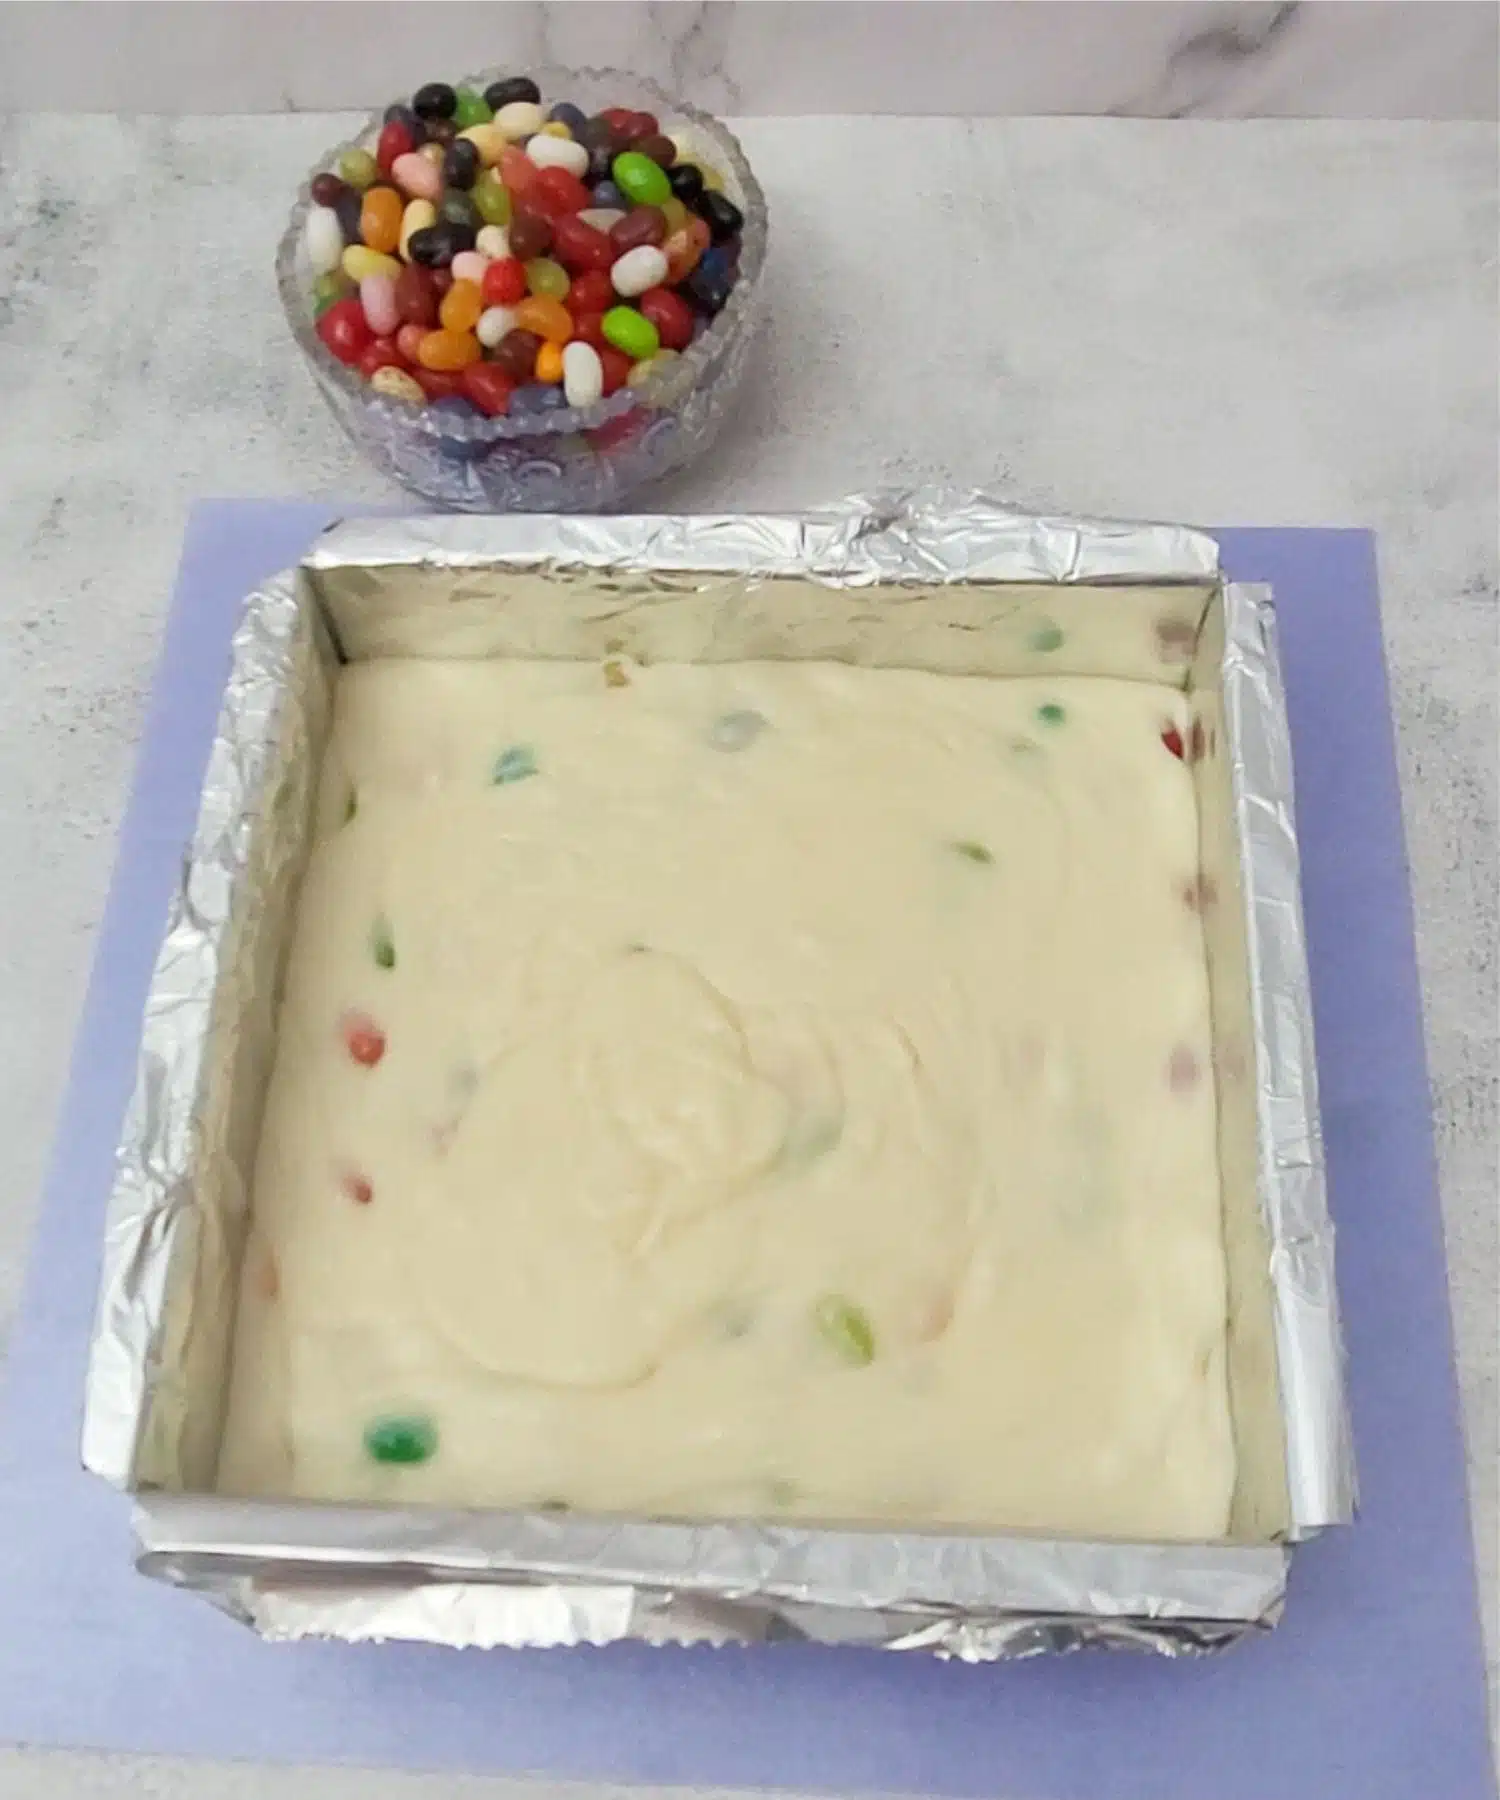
(854,582)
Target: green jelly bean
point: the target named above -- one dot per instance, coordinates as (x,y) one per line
(491,198)
(382,944)
(846,1329)
(514,764)
(329,289)
(1047,637)
(974,851)
(471,109)
(631,331)
(359,169)
(1051,713)
(403,1438)
(543,276)
(639,179)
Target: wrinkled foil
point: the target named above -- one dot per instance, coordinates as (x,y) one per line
(930,579)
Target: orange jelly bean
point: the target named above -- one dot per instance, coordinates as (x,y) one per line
(380,219)
(448,349)
(461,307)
(547,317)
(549,363)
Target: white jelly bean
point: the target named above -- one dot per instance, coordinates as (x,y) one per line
(494,323)
(558,153)
(639,269)
(493,242)
(521,119)
(377,295)
(325,239)
(583,373)
(601,217)
(469,265)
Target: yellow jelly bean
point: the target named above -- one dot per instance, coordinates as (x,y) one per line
(555,128)
(487,141)
(434,155)
(448,350)
(674,212)
(549,363)
(418,216)
(359,262)
(396,384)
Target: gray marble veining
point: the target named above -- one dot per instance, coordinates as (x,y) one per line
(1270,323)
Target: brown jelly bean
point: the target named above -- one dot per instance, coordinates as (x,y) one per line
(516,353)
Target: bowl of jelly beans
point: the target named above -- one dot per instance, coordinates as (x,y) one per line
(528,292)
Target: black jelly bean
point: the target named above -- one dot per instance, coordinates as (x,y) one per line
(441,131)
(720,214)
(686,183)
(434,101)
(435,246)
(598,134)
(706,290)
(601,161)
(327,187)
(401,114)
(514,87)
(458,209)
(565,113)
(348,207)
(460,163)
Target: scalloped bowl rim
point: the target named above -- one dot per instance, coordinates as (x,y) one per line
(686,371)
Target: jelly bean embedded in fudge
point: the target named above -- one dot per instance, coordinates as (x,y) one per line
(639,179)
(363,1039)
(628,331)
(514,764)
(1047,637)
(845,1328)
(344,330)
(971,850)
(436,100)
(404,1439)
(1051,713)
(1172,738)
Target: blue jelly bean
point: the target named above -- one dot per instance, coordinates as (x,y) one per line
(566,113)
(716,264)
(607,194)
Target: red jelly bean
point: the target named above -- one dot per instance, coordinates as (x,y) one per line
(670,314)
(588,328)
(408,338)
(344,329)
(641,225)
(442,280)
(394,140)
(504,282)
(384,353)
(616,365)
(363,1039)
(517,171)
(591,292)
(1172,738)
(416,297)
(488,386)
(618,431)
(637,125)
(619,117)
(557,192)
(581,248)
(438,384)
(530,235)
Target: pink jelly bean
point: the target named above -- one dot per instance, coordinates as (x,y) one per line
(377,295)
(469,265)
(416,176)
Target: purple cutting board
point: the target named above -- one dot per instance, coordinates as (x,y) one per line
(1372,1689)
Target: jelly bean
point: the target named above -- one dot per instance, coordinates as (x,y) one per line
(557,191)
(377,295)
(520,119)
(686,182)
(488,387)
(608,195)
(670,314)
(593,291)
(579,247)
(504,282)
(409,337)
(359,260)
(335,285)
(448,350)
(437,384)
(471,109)
(326,189)
(565,113)
(434,101)
(600,217)
(384,353)
(674,212)
(651,369)
(490,143)
(707,292)
(397,384)
(661,150)
(558,153)
(633,127)
(549,363)
(492,242)
(715,264)
(492,199)
(534,399)
(512,88)
(348,208)
(617,431)
(398,112)
(516,354)
(682,257)
(458,209)
(543,276)
(641,225)
(437,245)
(433,153)
(639,269)
(628,331)
(324,238)
(494,323)
(723,218)
(403,1439)
(616,117)
(583,375)
(418,216)
(380,218)
(469,265)
(639,179)
(416,176)
(616,366)
(359,168)
(461,163)
(845,1328)
(442,280)
(517,171)
(344,331)
(553,129)
(588,327)
(461,307)
(395,141)
(530,235)
(547,317)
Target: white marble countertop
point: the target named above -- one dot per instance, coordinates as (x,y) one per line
(1260,323)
